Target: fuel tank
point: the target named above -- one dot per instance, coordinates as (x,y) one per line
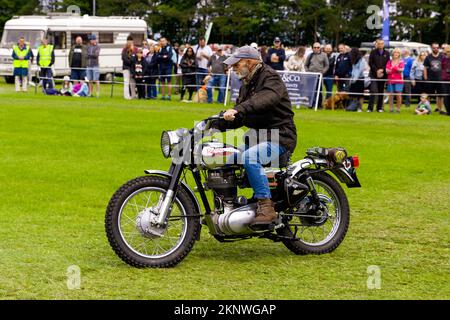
(216,155)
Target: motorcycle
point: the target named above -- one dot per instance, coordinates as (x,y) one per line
(154,220)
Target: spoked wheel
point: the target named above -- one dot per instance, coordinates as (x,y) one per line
(133,236)
(322,231)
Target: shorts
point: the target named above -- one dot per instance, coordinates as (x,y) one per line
(93,74)
(395,87)
(435,89)
(20,72)
(166,74)
(77,74)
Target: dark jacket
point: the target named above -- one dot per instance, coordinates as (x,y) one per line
(280,53)
(152,66)
(331,63)
(138,68)
(165,57)
(264,103)
(83,55)
(378,61)
(343,66)
(127,58)
(188,67)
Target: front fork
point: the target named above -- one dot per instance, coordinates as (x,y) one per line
(165,201)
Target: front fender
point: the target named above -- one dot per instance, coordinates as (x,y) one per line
(184,185)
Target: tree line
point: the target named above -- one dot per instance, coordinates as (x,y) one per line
(245,21)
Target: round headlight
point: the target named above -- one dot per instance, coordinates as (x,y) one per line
(168,140)
(165,144)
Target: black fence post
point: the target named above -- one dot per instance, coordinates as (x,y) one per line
(112,82)
(37,81)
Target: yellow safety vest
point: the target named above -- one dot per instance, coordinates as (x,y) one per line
(45,55)
(20,53)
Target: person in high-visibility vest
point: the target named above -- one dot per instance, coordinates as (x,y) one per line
(45,60)
(21,55)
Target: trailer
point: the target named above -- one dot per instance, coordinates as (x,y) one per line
(62,29)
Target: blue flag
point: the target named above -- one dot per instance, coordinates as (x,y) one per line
(386,28)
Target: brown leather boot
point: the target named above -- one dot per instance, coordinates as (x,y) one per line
(265,212)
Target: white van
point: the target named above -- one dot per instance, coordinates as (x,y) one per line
(62,29)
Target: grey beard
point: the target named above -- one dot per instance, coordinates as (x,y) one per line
(243,74)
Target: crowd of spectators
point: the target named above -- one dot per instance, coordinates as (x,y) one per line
(158,68)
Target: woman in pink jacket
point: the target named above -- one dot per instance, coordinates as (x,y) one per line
(394,70)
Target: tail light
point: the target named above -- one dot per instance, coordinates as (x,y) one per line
(355,161)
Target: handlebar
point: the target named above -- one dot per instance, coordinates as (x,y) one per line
(216,117)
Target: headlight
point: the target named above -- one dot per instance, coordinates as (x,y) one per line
(168,140)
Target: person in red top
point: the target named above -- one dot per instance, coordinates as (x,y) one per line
(394,70)
(446,78)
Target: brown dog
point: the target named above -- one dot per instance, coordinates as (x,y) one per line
(201,95)
(336,101)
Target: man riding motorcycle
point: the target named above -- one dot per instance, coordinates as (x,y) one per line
(263,105)
(154,220)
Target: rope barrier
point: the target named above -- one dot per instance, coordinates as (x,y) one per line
(174,83)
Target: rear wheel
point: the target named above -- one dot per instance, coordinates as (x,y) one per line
(135,239)
(323,232)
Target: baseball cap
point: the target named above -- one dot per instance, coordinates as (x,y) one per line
(254,45)
(66,78)
(245,52)
(277,39)
(92,37)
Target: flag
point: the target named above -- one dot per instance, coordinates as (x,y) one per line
(208,32)
(385,34)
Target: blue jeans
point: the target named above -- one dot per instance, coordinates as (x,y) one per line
(47,75)
(328,82)
(152,90)
(253,160)
(218,80)
(77,74)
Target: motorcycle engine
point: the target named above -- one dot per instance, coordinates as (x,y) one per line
(233,215)
(224,184)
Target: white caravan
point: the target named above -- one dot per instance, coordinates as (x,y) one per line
(62,29)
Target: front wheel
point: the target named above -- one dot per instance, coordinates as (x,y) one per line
(132,235)
(323,232)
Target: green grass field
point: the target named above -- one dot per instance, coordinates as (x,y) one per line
(62,158)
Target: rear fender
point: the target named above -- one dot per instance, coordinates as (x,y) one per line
(347,176)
